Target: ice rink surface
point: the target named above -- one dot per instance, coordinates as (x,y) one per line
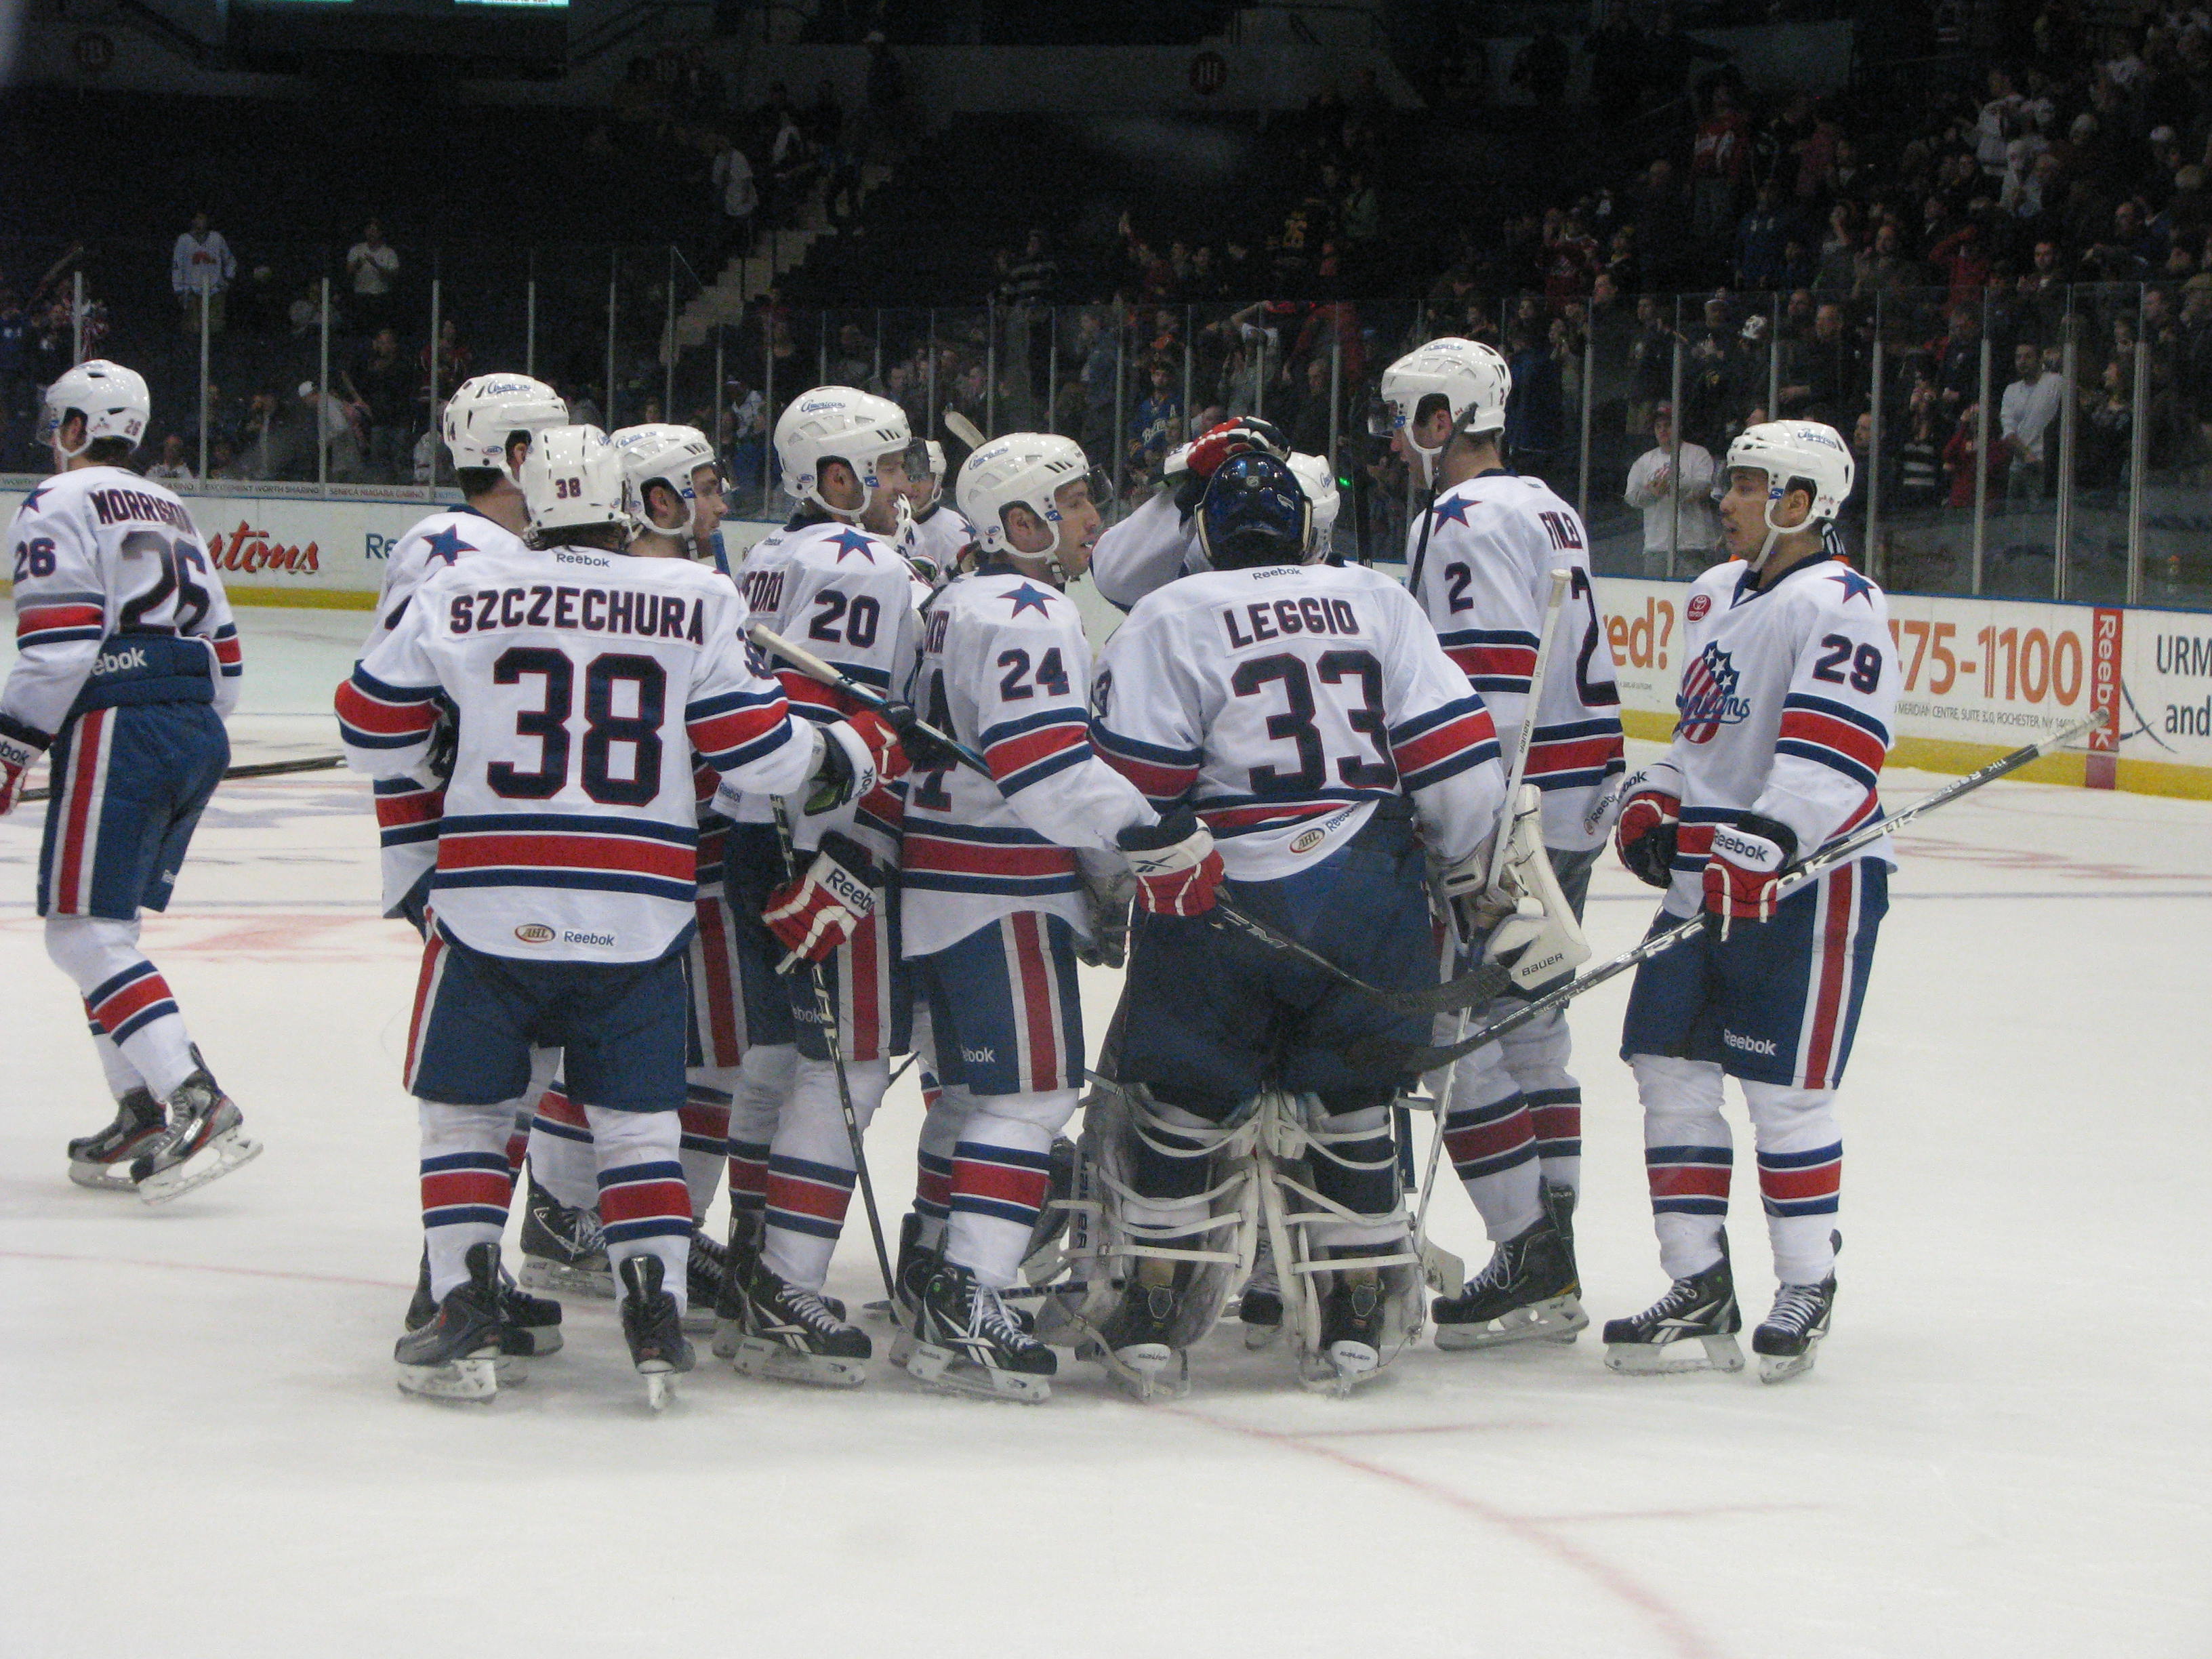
(2006,1449)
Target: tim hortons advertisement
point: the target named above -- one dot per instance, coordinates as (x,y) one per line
(1982,676)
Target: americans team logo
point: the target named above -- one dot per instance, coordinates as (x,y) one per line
(1707,700)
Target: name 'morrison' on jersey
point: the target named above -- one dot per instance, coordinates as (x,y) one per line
(583,681)
(1005,667)
(1485,578)
(1284,702)
(1785,710)
(99,552)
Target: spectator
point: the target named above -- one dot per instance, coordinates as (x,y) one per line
(1920,455)
(200,269)
(383,386)
(1033,279)
(1720,158)
(2030,404)
(1677,504)
(328,425)
(450,365)
(736,198)
(1670,55)
(1535,413)
(1616,55)
(172,468)
(1762,239)
(1830,375)
(1542,69)
(372,267)
(1154,427)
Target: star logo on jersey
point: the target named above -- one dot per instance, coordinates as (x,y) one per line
(447,545)
(852,541)
(1026,598)
(1855,586)
(1708,699)
(1452,509)
(31,501)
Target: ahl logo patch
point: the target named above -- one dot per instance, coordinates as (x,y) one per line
(1305,841)
(534,932)
(1708,699)
(1700,604)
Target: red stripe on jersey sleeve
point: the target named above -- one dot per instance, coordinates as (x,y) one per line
(1434,747)
(356,708)
(1853,743)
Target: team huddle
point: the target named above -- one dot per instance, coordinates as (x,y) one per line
(699,849)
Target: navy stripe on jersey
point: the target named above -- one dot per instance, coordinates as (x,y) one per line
(1444,742)
(1573,754)
(570,851)
(1833,734)
(1493,658)
(375,715)
(1026,751)
(1163,775)
(60,619)
(941,856)
(739,726)
(408,811)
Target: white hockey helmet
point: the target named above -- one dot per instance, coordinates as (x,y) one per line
(663,454)
(573,479)
(484,414)
(113,399)
(1795,451)
(840,423)
(1028,468)
(925,458)
(1472,379)
(1318,479)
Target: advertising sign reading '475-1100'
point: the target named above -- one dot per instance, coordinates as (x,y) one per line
(1982,676)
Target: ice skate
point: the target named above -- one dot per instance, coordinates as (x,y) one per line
(1351,1332)
(1529,1292)
(1787,1337)
(1691,1328)
(455,1353)
(103,1161)
(1134,1341)
(562,1249)
(653,1326)
(916,1263)
(967,1340)
(1559,1200)
(1260,1308)
(789,1335)
(203,1144)
(704,1273)
(737,1259)
(530,1326)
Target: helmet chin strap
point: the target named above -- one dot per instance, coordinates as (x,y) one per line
(1774,532)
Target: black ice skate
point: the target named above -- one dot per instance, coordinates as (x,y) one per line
(790,1336)
(653,1326)
(453,1356)
(1260,1308)
(1786,1338)
(563,1250)
(1529,1292)
(1691,1328)
(530,1326)
(202,1143)
(103,1161)
(1136,1341)
(1559,1204)
(969,1341)
(916,1263)
(1352,1321)
(737,1259)
(705,1272)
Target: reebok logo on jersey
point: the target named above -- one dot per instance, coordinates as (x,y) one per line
(573,937)
(1708,699)
(119,662)
(1748,1045)
(979,1056)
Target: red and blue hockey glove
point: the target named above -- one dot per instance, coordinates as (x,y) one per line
(815,914)
(1644,836)
(1216,444)
(20,749)
(1743,876)
(1175,862)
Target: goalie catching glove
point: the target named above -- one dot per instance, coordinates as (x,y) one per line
(816,913)
(1743,876)
(1525,923)
(1175,862)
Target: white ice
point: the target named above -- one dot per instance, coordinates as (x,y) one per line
(2006,1449)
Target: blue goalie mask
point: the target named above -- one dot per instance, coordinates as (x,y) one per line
(1254,514)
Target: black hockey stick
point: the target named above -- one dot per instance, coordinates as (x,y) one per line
(1382,1054)
(830,675)
(258,770)
(1484,984)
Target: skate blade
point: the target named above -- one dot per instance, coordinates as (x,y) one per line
(659,1388)
(728,1332)
(1559,1320)
(101,1178)
(211,1163)
(1344,1367)
(1707,1353)
(942,1369)
(531,1341)
(559,1279)
(1257,1337)
(1781,1367)
(474,1379)
(756,1355)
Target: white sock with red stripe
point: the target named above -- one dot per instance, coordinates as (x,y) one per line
(126,997)
(756,1107)
(465,1184)
(809,1168)
(1688,1158)
(1800,1172)
(705,1148)
(1537,1056)
(1001,1172)
(945,1113)
(1491,1142)
(644,1207)
(561,1158)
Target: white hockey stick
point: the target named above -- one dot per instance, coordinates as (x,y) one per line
(964,428)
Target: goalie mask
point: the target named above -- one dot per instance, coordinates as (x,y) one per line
(113,399)
(1254,512)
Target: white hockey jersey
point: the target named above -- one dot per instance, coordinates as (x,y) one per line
(583,681)
(1005,668)
(408,808)
(1484,578)
(933,543)
(1283,703)
(1146,550)
(98,552)
(1785,710)
(847,595)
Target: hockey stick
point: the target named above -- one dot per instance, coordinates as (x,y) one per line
(830,675)
(258,770)
(1381,1052)
(825,1013)
(964,428)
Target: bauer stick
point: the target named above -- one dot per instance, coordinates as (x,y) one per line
(825,1012)
(1379,1052)
(258,770)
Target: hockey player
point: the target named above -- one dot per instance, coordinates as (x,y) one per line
(934,535)
(565,884)
(1159,541)
(1789,681)
(1308,714)
(1479,562)
(127,664)
(831,579)
(993,895)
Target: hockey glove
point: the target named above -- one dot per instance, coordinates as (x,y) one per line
(1743,876)
(1646,835)
(858,752)
(815,914)
(925,750)
(1216,444)
(20,749)
(1175,863)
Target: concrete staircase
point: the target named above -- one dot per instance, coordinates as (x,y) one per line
(774,253)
